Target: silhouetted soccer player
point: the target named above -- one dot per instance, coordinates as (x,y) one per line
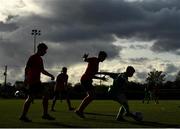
(61,89)
(87,79)
(34,68)
(147,94)
(156,92)
(118,91)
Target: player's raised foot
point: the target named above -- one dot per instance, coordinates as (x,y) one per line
(121,119)
(71,109)
(80,114)
(48,117)
(25,119)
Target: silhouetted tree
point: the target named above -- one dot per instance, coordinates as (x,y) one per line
(178,76)
(177,80)
(7,91)
(19,85)
(155,77)
(169,85)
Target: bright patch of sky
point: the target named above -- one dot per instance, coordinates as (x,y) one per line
(22,7)
(137,49)
(140,55)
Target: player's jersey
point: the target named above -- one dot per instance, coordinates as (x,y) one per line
(156,89)
(61,82)
(92,68)
(119,84)
(33,69)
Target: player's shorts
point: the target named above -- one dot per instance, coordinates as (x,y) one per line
(156,93)
(146,94)
(87,84)
(61,94)
(37,89)
(121,98)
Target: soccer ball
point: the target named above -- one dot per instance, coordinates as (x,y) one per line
(18,94)
(138,116)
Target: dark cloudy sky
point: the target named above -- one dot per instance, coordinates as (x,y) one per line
(142,33)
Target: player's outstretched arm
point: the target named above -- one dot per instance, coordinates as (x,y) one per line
(110,74)
(48,74)
(100,78)
(105,73)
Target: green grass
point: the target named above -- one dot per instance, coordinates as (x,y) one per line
(99,114)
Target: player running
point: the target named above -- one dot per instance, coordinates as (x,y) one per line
(87,79)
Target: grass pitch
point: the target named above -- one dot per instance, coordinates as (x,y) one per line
(99,114)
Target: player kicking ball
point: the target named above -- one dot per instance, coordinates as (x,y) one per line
(118,92)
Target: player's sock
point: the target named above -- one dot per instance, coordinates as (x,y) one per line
(80,114)
(120,118)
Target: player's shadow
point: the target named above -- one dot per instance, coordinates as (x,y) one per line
(98,114)
(56,124)
(142,123)
(155,124)
(147,124)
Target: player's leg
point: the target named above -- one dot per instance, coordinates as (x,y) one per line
(145,96)
(149,97)
(68,101)
(87,100)
(156,97)
(89,97)
(31,91)
(54,100)
(85,103)
(45,100)
(143,99)
(157,101)
(128,113)
(120,114)
(26,107)
(121,98)
(124,108)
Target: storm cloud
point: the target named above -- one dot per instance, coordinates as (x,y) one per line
(71,21)
(74,27)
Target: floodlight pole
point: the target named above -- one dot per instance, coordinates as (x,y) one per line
(35,33)
(100,81)
(5,75)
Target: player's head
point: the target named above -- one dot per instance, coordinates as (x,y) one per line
(130,71)
(102,55)
(42,48)
(64,70)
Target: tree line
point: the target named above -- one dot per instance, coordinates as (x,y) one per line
(168,89)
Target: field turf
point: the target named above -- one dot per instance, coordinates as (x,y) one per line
(99,114)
